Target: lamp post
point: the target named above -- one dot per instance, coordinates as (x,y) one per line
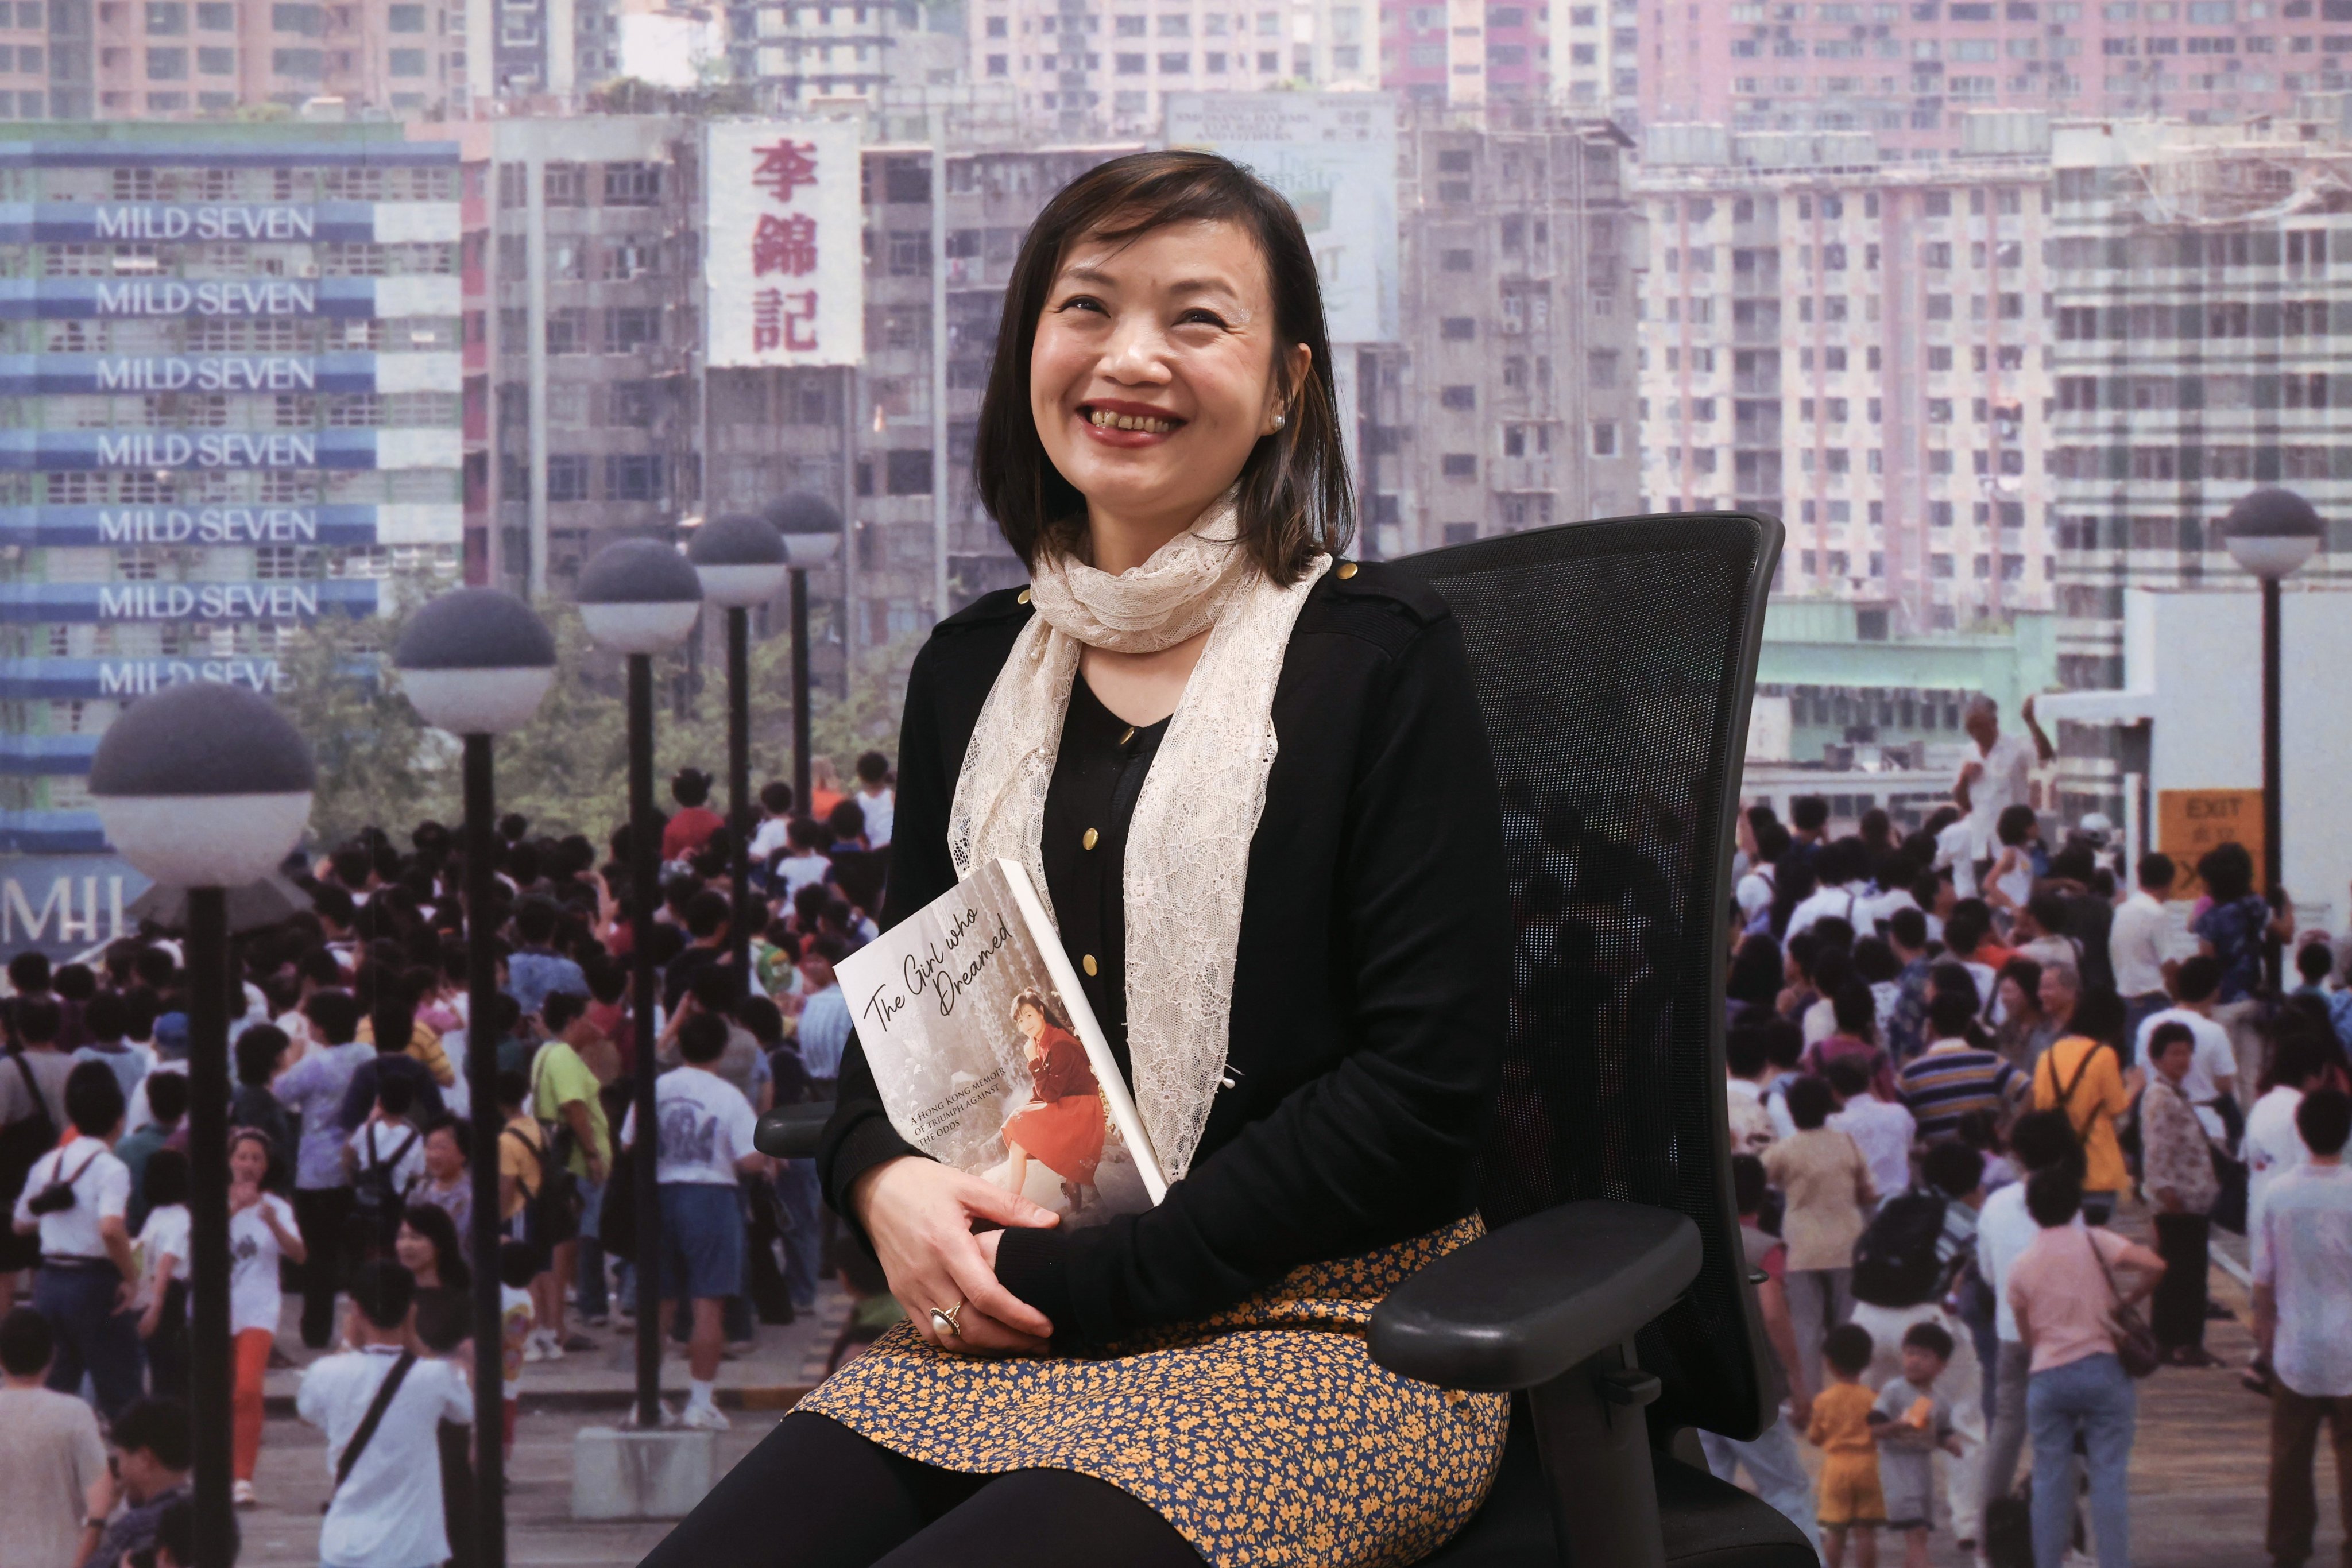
(741,560)
(811,525)
(475,662)
(206,787)
(2271,533)
(640,597)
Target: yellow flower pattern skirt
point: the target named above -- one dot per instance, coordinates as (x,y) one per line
(1265,1434)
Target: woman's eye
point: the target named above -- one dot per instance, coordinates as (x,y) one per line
(1081,302)
(1197,318)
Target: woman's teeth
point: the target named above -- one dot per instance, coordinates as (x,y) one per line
(1103,419)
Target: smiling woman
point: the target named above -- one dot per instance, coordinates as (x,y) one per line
(1252,781)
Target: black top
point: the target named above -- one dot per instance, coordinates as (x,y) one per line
(1097,774)
(1371,979)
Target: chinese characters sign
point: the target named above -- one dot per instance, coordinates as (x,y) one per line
(785,265)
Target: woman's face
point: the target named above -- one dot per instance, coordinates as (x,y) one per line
(247,1164)
(2014,1002)
(441,1155)
(1154,369)
(414,1250)
(1030,1022)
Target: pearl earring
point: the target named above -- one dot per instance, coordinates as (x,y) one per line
(1280,420)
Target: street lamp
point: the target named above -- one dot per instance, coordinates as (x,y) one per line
(2271,533)
(811,525)
(640,597)
(741,560)
(206,787)
(475,662)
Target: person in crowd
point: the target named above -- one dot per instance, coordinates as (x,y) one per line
(50,1454)
(388,1032)
(1747,1070)
(804,864)
(386,1510)
(535,968)
(312,1089)
(446,1183)
(104,1018)
(1911,1421)
(2315,965)
(1755,890)
(2139,940)
(162,1251)
(742,1063)
(2232,930)
(565,1098)
(707,916)
(1809,826)
(876,798)
(2303,1322)
(2009,882)
(1853,1503)
(2059,992)
(1854,1037)
(1999,774)
(691,827)
(1881,1129)
(2024,1031)
(1969,942)
(2040,1141)
(824,1021)
(1773,1462)
(1754,980)
(2080,1074)
(1842,880)
(2040,932)
(261,1230)
(2213,1060)
(171,1045)
(33,1074)
(146,1477)
(2178,1173)
(773,836)
(167,1103)
(1906,1022)
(2273,1144)
(1832,967)
(2063,1290)
(88,1275)
(1953,1077)
(260,1053)
(1826,1182)
(386,1158)
(705,1139)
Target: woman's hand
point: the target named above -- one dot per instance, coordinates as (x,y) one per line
(918,1213)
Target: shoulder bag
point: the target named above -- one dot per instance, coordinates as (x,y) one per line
(368,1424)
(2134,1344)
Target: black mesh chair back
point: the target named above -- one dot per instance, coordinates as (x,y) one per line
(1614,663)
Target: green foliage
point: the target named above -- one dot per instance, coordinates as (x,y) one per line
(377,761)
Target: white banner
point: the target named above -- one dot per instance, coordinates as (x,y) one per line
(786,267)
(1334,155)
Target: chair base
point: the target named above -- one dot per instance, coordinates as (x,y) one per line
(1707,1524)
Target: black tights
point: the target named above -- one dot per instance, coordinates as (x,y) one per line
(815,1494)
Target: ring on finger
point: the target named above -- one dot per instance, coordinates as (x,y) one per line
(943,1318)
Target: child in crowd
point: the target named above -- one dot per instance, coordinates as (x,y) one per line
(517,1266)
(1911,1421)
(1851,1500)
(164,1273)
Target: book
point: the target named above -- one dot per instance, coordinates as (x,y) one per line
(988,1056)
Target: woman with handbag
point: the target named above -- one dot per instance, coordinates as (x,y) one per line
(2076,1319)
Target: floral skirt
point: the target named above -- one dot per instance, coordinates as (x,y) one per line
(1265,1435)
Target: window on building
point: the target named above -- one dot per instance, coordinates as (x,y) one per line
(633,477)
(567,331)
(1459,464)
(567,476)
(631,184)
(631,328)
(564,185)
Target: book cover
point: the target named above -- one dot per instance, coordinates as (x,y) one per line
(987,1057)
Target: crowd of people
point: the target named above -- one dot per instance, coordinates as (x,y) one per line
(1952,1055)
(352,1124)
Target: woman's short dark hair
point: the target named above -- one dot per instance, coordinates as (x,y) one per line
(2227,872)
(2053,1195)
(1295,498)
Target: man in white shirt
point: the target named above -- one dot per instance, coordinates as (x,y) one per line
(1755,891)
(1748,1068)
(2274,1146)
(2000,773)
(704,1129)
(2303,1320)
(2136,940)
(773,834)
(2039,1140)
(75,1198)
(1842,867)
(386,1513)
(2213,1069)
(876,798)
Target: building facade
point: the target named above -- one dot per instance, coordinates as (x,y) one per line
(2203,276)
(231,408)
(1903,70)
(1862,349)
(184,59)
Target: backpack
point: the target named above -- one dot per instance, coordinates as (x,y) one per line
(23,1141)
(1895,1258)
(377,1196)
(551,1215)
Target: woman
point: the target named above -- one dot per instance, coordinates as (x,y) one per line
(2177,1174)
(448,1186)
(2233,928)
(1062,1126)
(261,1230)
(2023,1032)
(427,1246)
(1253,786)
(2082,1074)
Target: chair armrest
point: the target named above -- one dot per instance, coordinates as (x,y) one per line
(793,1131)
(1522,1305)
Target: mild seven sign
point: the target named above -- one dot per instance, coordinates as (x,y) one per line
(80,298)
(67,680)
(47,375)
(106,526)
(51,222)
(52,451)
(74,602)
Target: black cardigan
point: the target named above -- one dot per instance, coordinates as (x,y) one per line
(1370,993)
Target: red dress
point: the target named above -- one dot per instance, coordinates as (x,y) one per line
(689,830)
(1065,1133)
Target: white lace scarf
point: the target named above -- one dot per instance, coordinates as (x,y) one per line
(1188,841)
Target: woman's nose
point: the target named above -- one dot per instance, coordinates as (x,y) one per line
(1135,352)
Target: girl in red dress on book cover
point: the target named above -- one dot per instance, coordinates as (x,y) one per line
(1062,1126)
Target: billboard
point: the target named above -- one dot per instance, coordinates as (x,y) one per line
(1334,155)
(64,904)
(785,269)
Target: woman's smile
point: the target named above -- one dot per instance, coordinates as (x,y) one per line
(1115,423)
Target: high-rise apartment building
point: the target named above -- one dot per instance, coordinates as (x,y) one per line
(803,54)
(181,60)
(1861,349)
(231,404)
(1510,401)
(1903,70)
(2203,276)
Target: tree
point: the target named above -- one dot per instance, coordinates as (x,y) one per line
(378,763)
